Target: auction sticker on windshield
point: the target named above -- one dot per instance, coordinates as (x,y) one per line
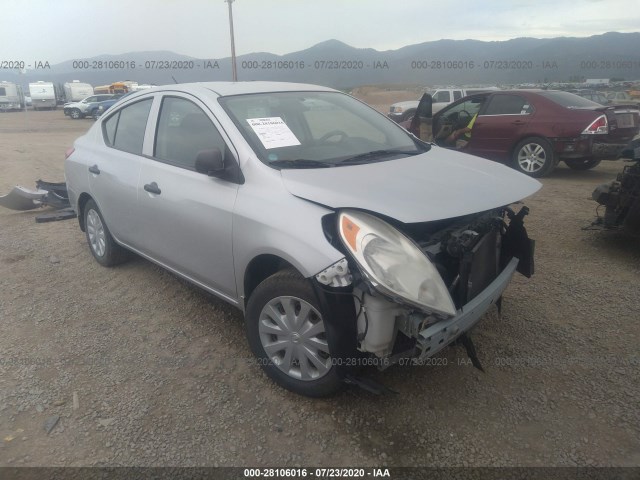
(273,132)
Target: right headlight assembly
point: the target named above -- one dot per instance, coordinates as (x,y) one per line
(393,264)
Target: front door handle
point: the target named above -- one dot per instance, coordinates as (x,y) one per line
(519,122)
(153,188)
(94,169)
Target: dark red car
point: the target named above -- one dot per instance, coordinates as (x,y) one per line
(531,130)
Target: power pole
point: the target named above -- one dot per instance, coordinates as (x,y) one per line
(233,44)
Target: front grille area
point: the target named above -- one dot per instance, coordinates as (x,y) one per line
(466,252)
(479,267)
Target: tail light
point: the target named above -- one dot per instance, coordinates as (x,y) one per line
(68,153)
(599,126)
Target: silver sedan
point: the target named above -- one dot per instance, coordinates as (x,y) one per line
(345,240)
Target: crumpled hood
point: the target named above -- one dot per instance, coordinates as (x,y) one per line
(435,185)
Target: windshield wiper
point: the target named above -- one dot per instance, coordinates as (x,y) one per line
(361,158)
(300,163)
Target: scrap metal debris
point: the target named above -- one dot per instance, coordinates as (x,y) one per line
(20,198)
(47,194)
(50,423)
(621,197)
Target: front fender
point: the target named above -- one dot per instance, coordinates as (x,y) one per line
(289,228)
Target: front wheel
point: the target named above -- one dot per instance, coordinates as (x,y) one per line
(75,114)
(534,157)
(582,164)
(286,332)
(102,245)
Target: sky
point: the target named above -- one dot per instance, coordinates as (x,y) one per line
(55,31)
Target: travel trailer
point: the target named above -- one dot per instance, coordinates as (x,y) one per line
(76,90)
(11,96)
(43,95)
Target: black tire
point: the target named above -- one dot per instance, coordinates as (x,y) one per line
(534,156)
(75,114)
(582,164)
(101,244)
(290,286)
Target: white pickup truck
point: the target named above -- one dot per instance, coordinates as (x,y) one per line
(442,97)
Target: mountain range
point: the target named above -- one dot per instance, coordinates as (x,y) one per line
(336,64)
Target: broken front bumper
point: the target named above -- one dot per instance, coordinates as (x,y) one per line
(437,336)
(382,320)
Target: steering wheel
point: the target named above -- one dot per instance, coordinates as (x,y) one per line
(464,118)
(333,133)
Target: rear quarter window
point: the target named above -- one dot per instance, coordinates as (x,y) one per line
(109,129)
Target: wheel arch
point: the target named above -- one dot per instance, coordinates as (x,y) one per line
(82,202)
(259,269)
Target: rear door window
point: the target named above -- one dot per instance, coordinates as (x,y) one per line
(506,104)
(125,129)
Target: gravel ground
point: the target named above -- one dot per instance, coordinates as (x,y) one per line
(132,366)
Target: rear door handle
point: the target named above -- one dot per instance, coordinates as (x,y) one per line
(153,188)
(94,169)
(519,122)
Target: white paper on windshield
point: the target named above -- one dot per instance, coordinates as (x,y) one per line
(273,132)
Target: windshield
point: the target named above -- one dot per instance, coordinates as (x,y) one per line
(316,129)
(569,100)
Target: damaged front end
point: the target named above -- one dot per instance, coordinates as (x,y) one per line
(621,197)
(420,287)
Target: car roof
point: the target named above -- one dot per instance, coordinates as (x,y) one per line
(242,88)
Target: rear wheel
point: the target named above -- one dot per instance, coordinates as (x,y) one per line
(534,157)
(582,164)
(286,332)
(102,245)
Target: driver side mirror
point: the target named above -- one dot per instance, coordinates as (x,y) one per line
(210,162)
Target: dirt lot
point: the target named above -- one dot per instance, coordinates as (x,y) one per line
(144,369)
